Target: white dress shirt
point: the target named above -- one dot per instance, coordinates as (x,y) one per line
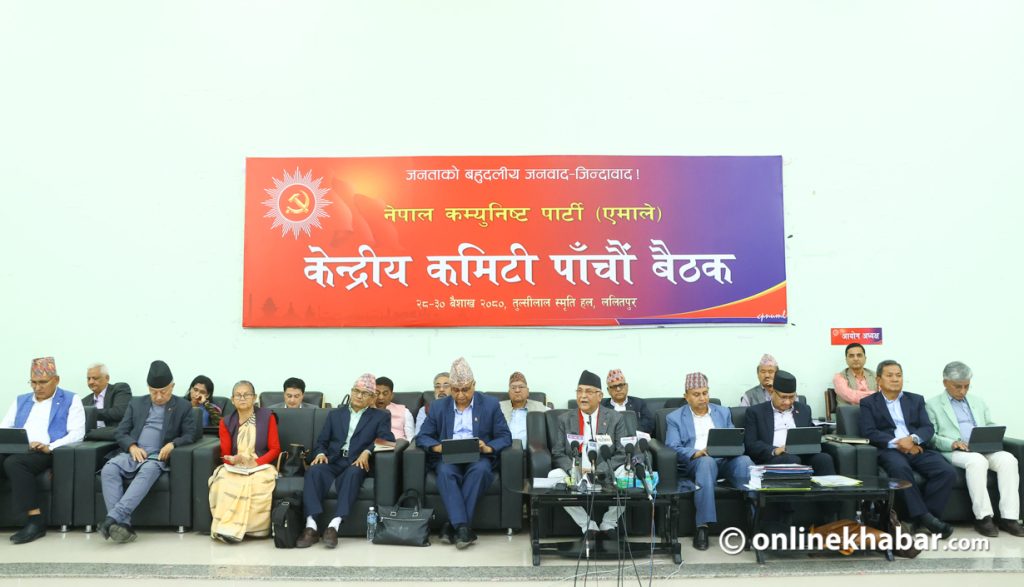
(38,423)
(702,426)
(783,422)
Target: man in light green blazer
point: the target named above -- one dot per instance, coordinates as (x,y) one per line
(954,417)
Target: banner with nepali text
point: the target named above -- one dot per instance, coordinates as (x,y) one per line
(559,240)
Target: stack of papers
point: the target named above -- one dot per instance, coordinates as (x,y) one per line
(797,477)
(836,481)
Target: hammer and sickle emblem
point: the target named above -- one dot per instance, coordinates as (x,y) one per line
(300,200)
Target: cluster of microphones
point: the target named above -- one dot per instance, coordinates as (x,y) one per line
(636,460)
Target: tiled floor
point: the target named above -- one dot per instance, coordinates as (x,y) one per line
(163,554)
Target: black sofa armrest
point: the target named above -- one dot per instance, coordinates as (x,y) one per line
(205,459)
(844,457)
(62,497)
(414,470)
(664,459)
(181,461)
(88,459)
(387,473)
(539,459)
(511,470)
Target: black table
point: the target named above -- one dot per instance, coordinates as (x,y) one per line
(666,506)
(870,489)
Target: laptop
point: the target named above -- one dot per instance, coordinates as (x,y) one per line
(15,441)
(460,452)
(725,442)
(986,439)
(803,441)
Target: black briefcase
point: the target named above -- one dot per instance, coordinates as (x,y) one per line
(404,526)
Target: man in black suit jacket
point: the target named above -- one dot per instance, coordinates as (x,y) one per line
(620,401)
(897,423)
(342,456)
(152,427)
(113,397)
(768,422)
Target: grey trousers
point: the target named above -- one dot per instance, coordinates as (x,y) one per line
(121,502)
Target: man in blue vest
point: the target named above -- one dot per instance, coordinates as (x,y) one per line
(52,417)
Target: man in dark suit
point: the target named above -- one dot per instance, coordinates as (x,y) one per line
(897,423)
(110,401)
(768,422)
(464,414)
(153,425)
(342,455)
(589,421)
(620,401)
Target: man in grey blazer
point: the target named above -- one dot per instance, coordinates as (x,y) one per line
(518,405)
(151,428)
(588,421)
(110,401)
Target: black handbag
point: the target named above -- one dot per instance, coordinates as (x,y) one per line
(294,461)
(286,523)
(404,526)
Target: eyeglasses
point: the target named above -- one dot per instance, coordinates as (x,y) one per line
(244,396)
(34,383)
(442,385)
(461,390)
(588,392)
(516,387)
(616,387)
(363,392)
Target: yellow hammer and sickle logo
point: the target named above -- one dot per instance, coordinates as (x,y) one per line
(300,200)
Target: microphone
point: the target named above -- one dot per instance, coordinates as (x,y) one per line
(642,475)
(629,448)
(590,423)
(574,448)
(644,447)
(606,455)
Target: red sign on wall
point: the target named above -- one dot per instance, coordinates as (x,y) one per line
(845,336)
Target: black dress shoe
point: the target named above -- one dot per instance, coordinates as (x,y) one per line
(330,537)
(934,525)
(700,538)
(447,533)
(464,537)
(104,527)
(308,538)
(31,531)
(986,527)
(1011,526)
(122,534)
(612,534)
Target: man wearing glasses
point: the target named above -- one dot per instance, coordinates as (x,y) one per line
(620,401)
(342,456)
(466,414)
(589,421)
(52,417)
(153,425)
(442,388)
(518,405)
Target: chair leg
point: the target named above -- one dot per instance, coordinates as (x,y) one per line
(88,529)
(509,531)
(181,529)
(63,528)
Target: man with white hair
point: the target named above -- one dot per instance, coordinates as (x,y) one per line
(762,392)
(110,401)
(466,413)
(955,417)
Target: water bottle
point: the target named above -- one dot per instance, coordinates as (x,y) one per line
(371,524)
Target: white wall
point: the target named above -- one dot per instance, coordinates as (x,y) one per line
(125,126)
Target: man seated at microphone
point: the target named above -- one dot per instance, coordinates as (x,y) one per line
(688,429)
(590,421)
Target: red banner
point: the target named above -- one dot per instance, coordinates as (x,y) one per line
(506,241)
